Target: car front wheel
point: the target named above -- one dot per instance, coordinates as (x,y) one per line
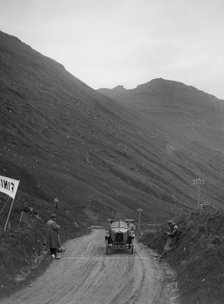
(107,247)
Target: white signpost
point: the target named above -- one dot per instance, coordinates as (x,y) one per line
(9,186)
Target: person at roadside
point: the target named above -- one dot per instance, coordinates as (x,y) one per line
(132,226)
(171,237)
(53,237)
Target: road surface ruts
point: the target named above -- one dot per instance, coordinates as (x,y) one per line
(86,275)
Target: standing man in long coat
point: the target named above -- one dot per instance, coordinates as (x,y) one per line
(53,236)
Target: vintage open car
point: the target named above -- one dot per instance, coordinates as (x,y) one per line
(119,235)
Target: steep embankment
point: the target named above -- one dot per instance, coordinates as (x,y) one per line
(190,122)
(197,256)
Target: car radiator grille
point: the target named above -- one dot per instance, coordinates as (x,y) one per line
(119,237)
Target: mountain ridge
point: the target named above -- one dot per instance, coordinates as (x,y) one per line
(154,82)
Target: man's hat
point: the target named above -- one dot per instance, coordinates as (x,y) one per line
(53,215)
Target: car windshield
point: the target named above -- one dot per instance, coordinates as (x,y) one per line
(119,224)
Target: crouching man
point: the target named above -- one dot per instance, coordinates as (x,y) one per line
(171,237)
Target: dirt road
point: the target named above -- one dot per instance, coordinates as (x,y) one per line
(86,275)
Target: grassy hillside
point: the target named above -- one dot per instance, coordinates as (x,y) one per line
(190,125)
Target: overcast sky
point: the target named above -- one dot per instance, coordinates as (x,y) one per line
(106,43)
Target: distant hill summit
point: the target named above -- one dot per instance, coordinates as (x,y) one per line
(166,96)
(159,83)
(155,88)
